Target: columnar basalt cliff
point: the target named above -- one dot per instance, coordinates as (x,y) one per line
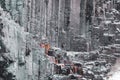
(58,39)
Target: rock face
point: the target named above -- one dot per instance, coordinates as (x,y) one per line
(54,19)
(12,43)
(77,25)
(59,21)
(20,54)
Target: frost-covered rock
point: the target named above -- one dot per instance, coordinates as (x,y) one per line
(14,39)
(17,42)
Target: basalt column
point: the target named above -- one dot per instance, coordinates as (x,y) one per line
(82,17)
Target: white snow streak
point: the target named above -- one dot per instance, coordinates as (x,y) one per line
(115,72)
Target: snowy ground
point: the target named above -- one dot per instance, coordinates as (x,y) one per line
(115,72)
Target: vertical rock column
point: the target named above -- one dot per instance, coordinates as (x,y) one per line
(67,24)
(82,17)
(61,20)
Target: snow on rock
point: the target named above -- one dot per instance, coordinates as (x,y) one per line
(115,76)
(14,40)
(13,33)
(115,11)
(115,71)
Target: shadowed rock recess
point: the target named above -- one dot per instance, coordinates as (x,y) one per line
(59,39)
